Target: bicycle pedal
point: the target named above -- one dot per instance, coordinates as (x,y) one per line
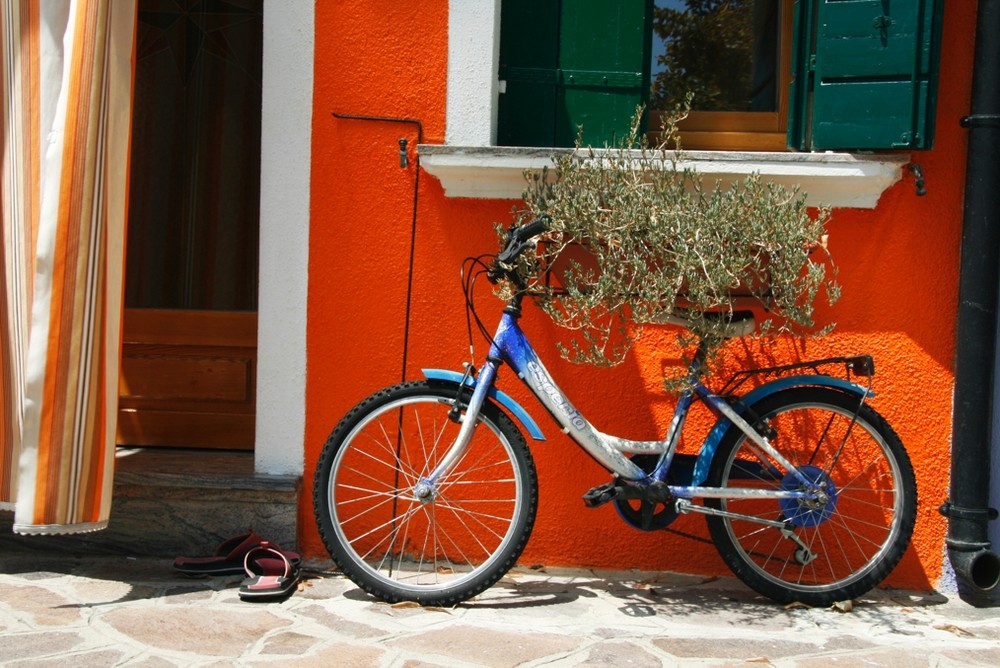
(600,495)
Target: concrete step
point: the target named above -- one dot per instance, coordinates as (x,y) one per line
(181,502)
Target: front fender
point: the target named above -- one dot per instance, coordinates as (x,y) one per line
(501,398)
(723,424)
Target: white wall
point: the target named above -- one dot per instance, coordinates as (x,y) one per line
(286,122)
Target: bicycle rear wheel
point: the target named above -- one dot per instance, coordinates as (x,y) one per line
(852,538)
(455,542)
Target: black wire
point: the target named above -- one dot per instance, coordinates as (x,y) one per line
(469,307)
(409,281)
(472,269)
(487,334)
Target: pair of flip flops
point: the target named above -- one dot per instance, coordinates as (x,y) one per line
(270,572)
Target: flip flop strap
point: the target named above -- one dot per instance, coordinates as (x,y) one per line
(266,547)
(236,546)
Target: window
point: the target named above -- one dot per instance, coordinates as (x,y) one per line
(608,56)
(473,163)
(766,74)
(734,57)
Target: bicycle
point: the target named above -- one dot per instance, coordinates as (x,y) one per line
(426,491)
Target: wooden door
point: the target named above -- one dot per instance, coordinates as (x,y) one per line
(189,339)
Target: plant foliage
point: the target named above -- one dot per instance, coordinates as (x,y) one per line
(636,236)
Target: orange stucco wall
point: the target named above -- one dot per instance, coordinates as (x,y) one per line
(898,266)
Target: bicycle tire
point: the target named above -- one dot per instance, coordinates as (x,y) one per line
(856,538)
(441,551)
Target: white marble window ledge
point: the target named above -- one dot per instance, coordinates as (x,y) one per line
(828,179)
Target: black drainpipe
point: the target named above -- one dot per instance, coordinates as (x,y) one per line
(968,508)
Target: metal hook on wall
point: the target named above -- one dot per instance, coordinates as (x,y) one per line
(918,173)
(404,159)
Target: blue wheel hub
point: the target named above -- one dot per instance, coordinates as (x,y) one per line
(809,512)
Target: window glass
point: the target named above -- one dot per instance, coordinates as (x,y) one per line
(725,52)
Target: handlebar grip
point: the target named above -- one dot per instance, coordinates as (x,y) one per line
(517,241)
(532,229)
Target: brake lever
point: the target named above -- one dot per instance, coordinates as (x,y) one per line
(504,263)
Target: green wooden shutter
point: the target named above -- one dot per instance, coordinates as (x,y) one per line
(572,63)
(865,74)
(529,61)
(604,48)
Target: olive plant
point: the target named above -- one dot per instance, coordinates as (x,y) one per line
(636,235)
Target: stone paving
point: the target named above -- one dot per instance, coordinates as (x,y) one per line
(125,611)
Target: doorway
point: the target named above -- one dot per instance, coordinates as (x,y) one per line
(188,370)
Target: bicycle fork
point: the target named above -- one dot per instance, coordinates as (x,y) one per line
(426,488)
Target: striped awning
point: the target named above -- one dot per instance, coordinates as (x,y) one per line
(66,101)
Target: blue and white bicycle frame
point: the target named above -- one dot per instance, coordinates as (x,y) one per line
(511,345)
(808,493)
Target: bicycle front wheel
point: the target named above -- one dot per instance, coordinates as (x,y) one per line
(455,538)
(845,542)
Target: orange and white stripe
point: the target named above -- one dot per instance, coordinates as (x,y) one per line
(67,87)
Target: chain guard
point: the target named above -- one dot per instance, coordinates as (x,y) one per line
(647,515)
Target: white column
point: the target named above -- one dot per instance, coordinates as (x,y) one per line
(473,56)
(286,122)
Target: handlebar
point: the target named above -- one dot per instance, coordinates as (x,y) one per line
(532,229)
(518,239)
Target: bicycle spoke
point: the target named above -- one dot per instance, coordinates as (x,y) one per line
(851,534)
(459,536)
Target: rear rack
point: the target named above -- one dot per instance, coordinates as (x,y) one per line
(862,366)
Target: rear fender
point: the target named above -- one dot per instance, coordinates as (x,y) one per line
(723,424)
(496,395)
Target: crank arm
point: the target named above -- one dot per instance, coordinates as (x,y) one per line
(803,555)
